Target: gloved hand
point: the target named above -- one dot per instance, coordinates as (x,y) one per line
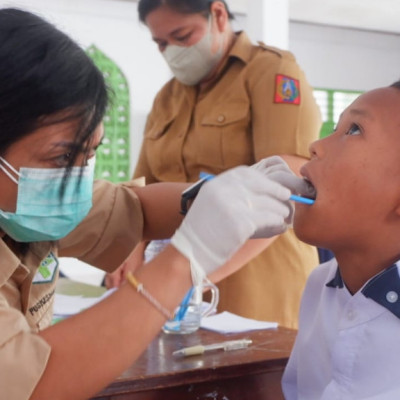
(276,169)
(228,210)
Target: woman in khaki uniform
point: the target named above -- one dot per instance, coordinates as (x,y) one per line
(231,103)
(52,101)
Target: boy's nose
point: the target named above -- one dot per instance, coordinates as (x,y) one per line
(317,148)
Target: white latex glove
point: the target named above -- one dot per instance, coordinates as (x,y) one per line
(228,210)
(277,169)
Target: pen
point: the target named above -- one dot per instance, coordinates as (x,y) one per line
(200,349)
(299,199)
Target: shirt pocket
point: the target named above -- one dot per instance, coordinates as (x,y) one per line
(225,140)
(162,149)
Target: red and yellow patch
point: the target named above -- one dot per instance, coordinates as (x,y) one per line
(287,90)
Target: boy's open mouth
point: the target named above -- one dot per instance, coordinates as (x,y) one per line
(311,191)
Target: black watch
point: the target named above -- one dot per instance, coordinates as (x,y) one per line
(189,194)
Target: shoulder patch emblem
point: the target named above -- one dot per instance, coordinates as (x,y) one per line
(287,90)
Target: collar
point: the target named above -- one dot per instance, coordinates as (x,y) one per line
(241,49)
(337,281)
(383,288)
(10,262)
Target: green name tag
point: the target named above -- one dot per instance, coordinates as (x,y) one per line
(47,270)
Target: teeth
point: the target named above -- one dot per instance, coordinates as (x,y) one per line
(311,192)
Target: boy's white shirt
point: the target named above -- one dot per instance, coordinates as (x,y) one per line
(348,347)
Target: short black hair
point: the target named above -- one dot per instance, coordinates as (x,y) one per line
(396,84)
(43,73)
(145,7)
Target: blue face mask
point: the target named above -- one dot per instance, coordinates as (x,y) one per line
(41,214)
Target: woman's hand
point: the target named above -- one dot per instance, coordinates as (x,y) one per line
(116,278)
(278,170)
(231,208)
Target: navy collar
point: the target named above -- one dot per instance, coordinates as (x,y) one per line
(337,281)
(384,288)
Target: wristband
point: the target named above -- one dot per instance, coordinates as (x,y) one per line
(141,290)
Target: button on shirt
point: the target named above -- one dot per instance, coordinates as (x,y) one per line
(347,346)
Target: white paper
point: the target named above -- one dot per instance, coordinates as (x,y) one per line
(227,322)
(65,305)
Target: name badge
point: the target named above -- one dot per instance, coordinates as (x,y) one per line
(47,270)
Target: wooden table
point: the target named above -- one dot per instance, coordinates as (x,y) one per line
(253,373)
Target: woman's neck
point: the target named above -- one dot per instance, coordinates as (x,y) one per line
(210,78)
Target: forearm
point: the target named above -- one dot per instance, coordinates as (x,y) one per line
(252,248)
(92,348)
(136,259)
(161,208)
(294,162)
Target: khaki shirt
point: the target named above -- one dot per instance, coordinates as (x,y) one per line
(27,284)
(239,120)
(235,122)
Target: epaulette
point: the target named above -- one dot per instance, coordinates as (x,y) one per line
(277,51)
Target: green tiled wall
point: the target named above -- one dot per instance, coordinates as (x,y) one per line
(112,159)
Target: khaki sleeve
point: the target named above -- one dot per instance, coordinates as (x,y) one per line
(23,355)
(281,128)
(111,230)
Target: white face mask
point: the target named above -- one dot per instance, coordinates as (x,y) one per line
(191,64)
